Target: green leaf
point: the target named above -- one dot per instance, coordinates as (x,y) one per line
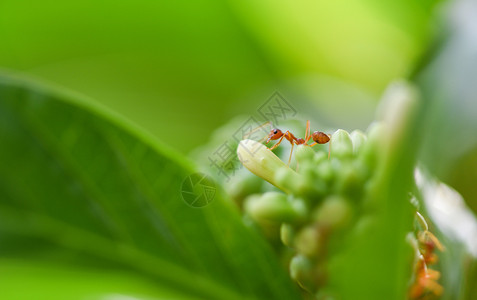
(377,261)
(80,185)
(77,282)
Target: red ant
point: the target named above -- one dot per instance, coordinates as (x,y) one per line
(317,136)
(425,285)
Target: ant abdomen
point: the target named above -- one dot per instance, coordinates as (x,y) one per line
(320,137)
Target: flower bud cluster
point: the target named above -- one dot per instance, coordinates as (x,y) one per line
(318,201)
(344,212)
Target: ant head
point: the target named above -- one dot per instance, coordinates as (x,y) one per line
(320,137)
(274,134)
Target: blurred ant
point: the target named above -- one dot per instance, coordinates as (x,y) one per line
(317,136)
(426,279)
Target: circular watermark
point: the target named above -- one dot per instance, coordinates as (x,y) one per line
(198,190)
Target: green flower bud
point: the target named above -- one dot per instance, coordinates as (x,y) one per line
(334,213)
(350,179)
(304,154)
(287,234)
(315,187)
(301,270)
(262,162)
(320,157)
(358,138)
(325,171)
(341,144)
(308,241)
(289,181)
(370,150)
(276,207)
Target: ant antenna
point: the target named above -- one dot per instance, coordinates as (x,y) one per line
(248,134)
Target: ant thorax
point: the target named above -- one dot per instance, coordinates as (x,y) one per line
(317,136)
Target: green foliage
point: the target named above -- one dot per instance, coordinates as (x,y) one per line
(86,198)
(164,63)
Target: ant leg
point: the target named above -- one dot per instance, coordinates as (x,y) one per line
(329,149)
(422,221)
(435,288)
(291,152)
(428,235)
(278,143)
(307,132)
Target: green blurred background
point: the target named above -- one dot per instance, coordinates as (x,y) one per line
(180,69)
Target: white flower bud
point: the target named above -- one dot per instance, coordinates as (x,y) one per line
(262,162)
